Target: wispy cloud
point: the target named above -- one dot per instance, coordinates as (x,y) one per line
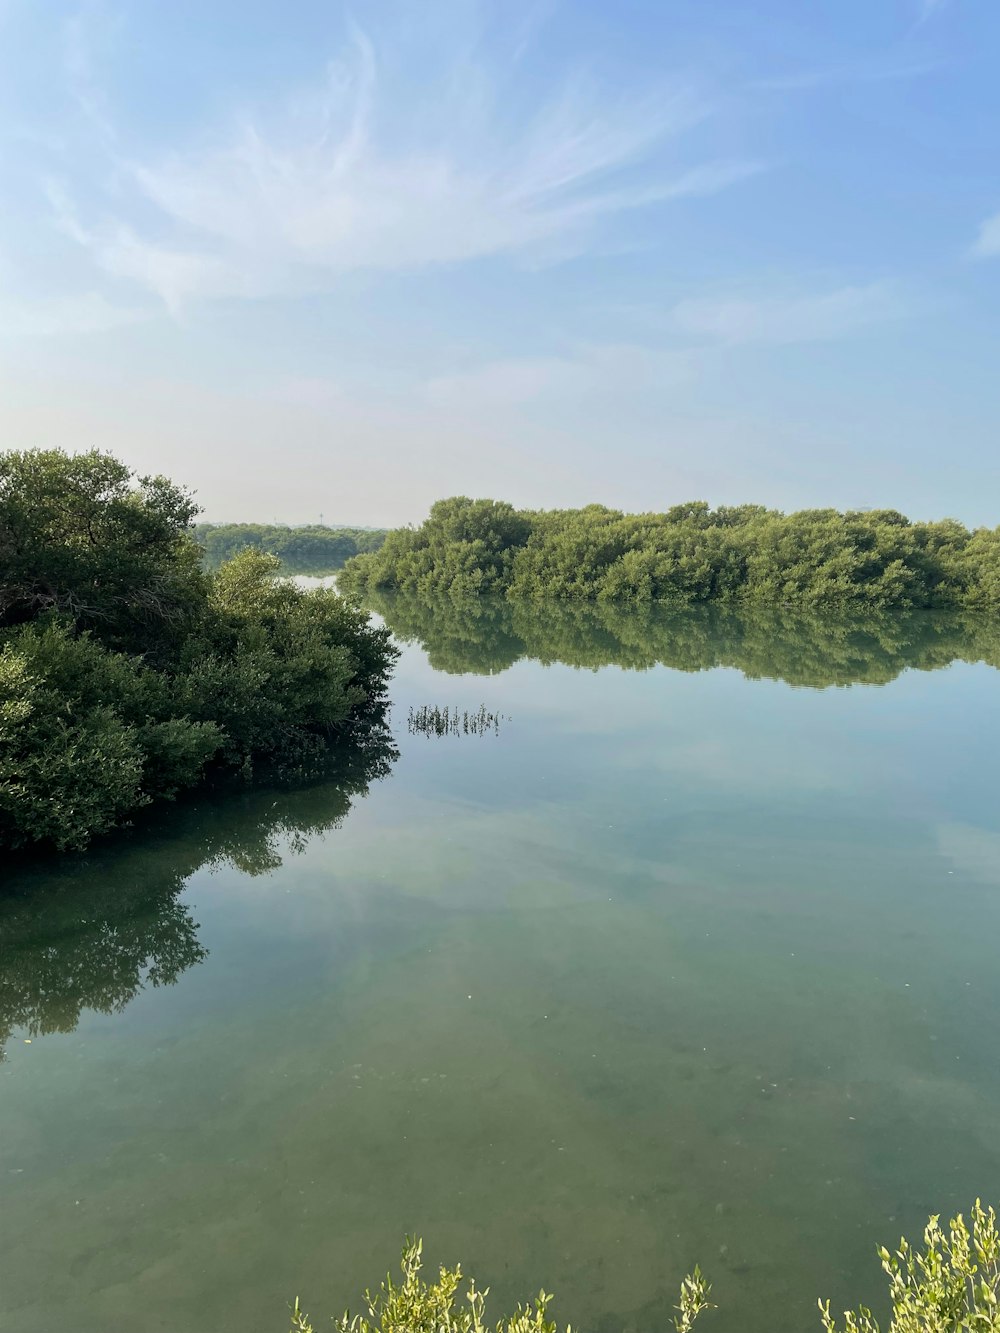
(674,350)
(580,374)
(987,243)
(796,318)
(89,312)
(337,180)
(833,76)
(508,382)
(78,37)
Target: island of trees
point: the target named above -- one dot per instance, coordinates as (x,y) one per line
(312,549)
(690,553)
(128,672)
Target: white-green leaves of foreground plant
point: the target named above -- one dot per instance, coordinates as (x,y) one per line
(416,1306)
(695,1292)
(949,1286)
(952,1285)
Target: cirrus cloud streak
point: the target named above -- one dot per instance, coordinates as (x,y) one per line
(333,182)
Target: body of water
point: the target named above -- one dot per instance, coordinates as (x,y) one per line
(689,955)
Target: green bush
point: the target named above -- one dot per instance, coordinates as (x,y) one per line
(952,1285)
(80,534)
(126,672)
(86,736)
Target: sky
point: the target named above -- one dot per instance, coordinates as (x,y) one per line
(322,260)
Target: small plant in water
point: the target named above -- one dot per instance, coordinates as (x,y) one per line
(952,1285)
(429,721)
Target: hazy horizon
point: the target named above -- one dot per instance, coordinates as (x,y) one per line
(362,524)
(350,261)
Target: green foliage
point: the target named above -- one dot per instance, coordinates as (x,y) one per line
(86,736)
(691,553)
(81,535)
(465,547)
(126,671)
(312,549)
(276,667)
(417,1306)
(952,1285)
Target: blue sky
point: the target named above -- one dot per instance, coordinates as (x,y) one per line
(317,259)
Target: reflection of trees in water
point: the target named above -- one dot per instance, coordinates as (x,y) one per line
(816,650)
(473,635)
(90,932)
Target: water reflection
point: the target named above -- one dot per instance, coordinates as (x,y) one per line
(92,932)
(815,650)
(703,962)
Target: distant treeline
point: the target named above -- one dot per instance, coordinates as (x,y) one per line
(690,553)
(308,550)
(486,635)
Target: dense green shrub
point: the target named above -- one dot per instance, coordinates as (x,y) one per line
(126,670)
(81,535)
(86,735)
(691,553)
(952,1285)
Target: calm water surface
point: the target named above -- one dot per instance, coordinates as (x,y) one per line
(673,965)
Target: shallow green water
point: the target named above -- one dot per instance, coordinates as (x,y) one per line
(674,965)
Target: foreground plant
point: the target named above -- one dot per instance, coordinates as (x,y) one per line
(952,1285)
(416,1306)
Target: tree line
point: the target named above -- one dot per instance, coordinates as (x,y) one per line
(689,553)
(312,549)
(128,672)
